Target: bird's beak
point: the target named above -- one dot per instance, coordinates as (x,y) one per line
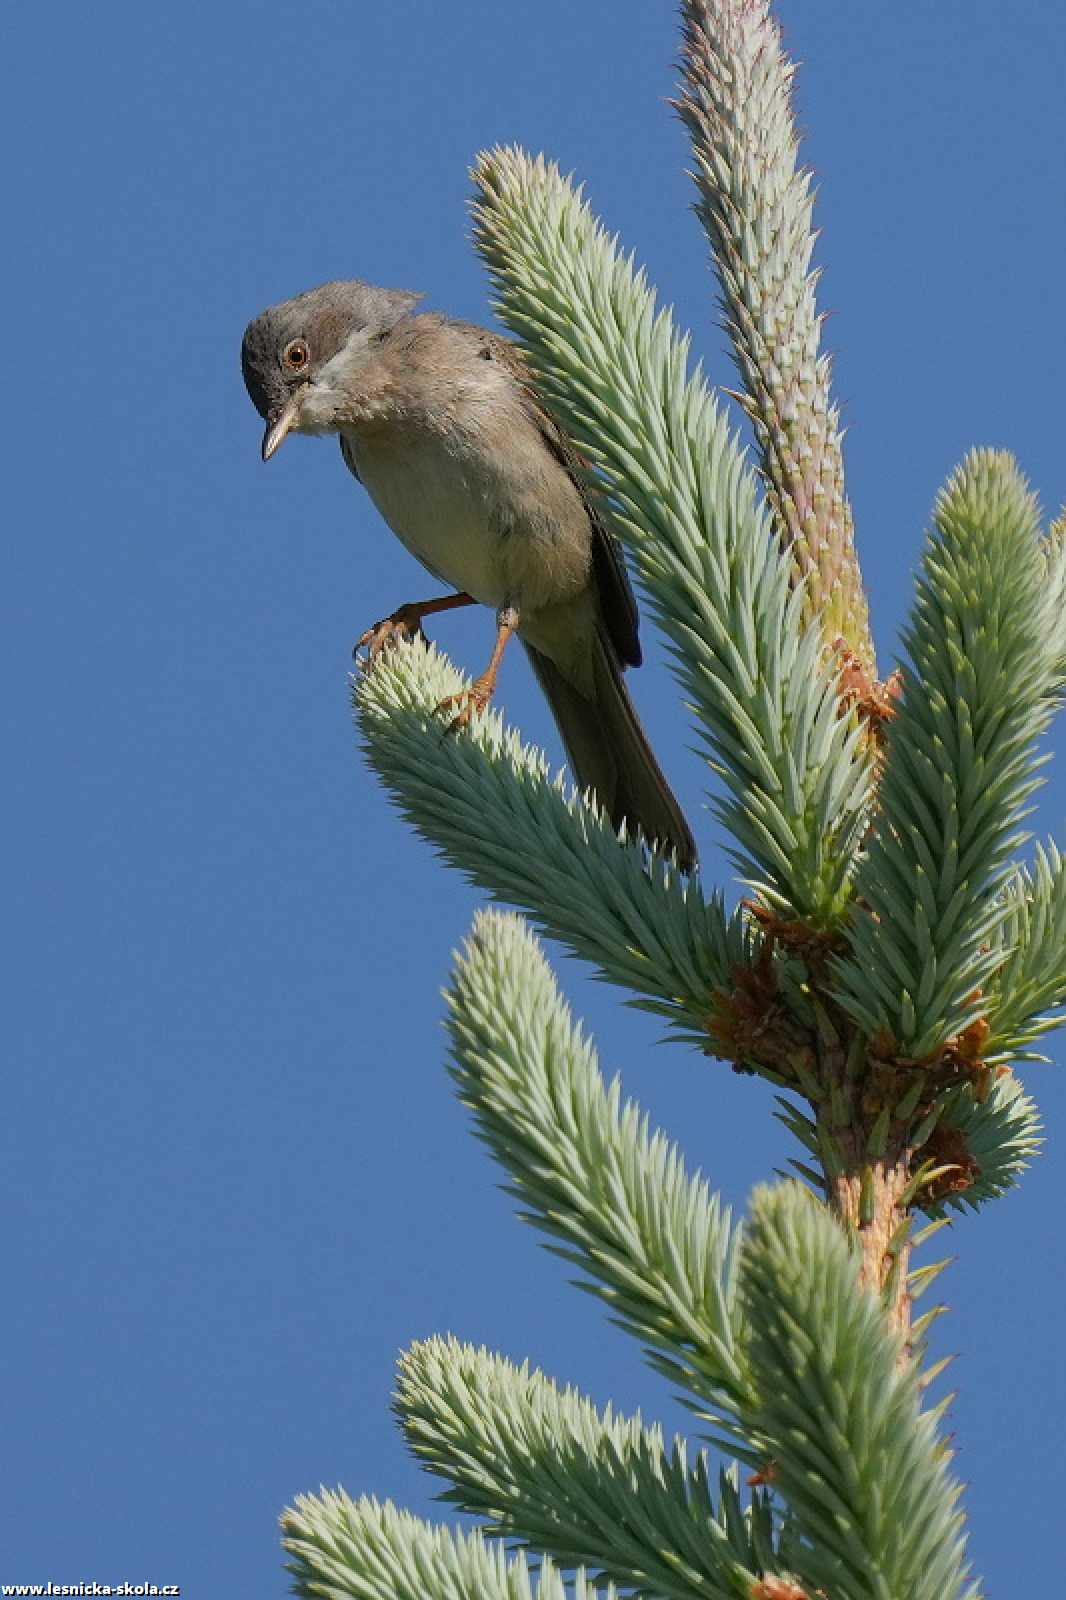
(279,425)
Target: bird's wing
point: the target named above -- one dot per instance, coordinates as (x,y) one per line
(617,600)
(349,459)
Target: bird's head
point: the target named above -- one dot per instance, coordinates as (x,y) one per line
(299,357)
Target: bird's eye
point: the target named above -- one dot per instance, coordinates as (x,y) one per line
(296,355)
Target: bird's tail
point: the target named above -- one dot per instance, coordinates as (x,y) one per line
(610,754)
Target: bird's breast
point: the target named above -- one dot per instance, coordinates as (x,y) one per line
(507,526)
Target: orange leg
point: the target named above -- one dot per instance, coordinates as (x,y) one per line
(407,619)
(480,692)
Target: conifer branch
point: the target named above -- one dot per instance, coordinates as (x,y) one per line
(1027,993)
(1000,1134)
(489,804)
(676,487)
(541,1465)
(958,771)
(652,1242)
(1054,552)
(344,1549)
(755,202)
(891,962)
(851,1451)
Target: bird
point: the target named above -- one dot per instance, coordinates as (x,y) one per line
(441,422)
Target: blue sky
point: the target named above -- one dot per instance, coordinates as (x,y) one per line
(233,1178)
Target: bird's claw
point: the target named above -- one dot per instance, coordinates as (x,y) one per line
(405,621)
(473,700)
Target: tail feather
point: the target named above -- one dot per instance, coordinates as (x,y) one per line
(610,753)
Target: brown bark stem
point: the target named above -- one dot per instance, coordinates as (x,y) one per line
(867,1198)
(867,1191)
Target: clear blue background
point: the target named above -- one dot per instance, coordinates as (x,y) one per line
(234,1178)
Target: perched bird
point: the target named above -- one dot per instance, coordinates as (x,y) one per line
(439,420)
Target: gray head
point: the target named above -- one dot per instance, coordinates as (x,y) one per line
(294,354)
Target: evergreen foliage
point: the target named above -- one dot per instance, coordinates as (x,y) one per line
(857,1461)
(890,960)
(677,490)
(959,768)
(542,1466)
(650,1240)
(490,805)
(344,1549)
(1028,987)
(755,202)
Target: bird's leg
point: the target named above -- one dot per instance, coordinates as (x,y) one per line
(480,692)
(406,619)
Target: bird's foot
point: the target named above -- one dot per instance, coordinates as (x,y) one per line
(405,621)
(469,701)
